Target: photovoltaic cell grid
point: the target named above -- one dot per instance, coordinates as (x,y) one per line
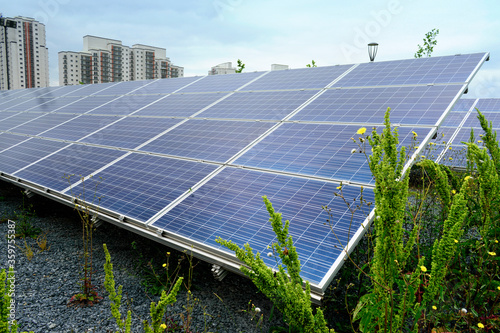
(285,134)
(459,124)
(230,206)
(320,150)
(415,105)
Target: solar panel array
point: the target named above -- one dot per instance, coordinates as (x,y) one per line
(449,147)
(190,158)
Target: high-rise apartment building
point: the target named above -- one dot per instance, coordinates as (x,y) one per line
(107,60)
(24,59)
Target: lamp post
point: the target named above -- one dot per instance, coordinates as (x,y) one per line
(372,50)
(5,23)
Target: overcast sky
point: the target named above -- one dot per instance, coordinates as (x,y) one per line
(200,34)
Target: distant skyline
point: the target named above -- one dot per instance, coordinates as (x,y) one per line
(200,34)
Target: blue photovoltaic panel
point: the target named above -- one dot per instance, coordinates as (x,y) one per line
(165,86)
(9,140)
(126,104)
(302,78)
(123,87)
(449,69)
(266,105)
(11,123)
(42,123)
(86,104)
(180,105)
(6,114)
(463,104)
(53,104)
(230,206)
(12,103)
(454,118)
(208,139)
(491,116)
(79,127)
(140,185)
(28,104)
(455,157)
(68,90)
(77,160)
(444,135)
(28,152)
(463,135)
(421,105)
(229,82)
(35,92)
(90,89)
(318,150)
(131,132)
(488,104)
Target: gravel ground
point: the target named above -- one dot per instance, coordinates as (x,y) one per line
(45,283)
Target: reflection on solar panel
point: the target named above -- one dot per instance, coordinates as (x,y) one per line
(456,129)
(185,160)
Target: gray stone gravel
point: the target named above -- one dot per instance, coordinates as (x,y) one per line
(45,284)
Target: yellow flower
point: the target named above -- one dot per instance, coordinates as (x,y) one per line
(480,325)
(455,241)
(163,326)
(416,147)
(414,134)
(453,192)
(449,147)
(451,158)
(492,253)
(496,241)
(498,287)
(479,141)
(467,178)
(362,130)
(423,268)
(168,253)
(434,307)
(164,265)
(339,187)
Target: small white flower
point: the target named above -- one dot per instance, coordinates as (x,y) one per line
(270,254)
(378,217)
(353,150)
(257,310)
(464,310)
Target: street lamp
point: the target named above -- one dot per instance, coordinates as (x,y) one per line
(5,23)
(372,50)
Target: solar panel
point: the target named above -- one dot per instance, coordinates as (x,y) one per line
(268,105)
(139,185)
(78,160)
(322,150)
(180,105)
(25,153)
(457,127)
(432,70)
(230,206)
(303,78)
(130,132)
(417,105)
(79,127)
(190,158)
(208,139)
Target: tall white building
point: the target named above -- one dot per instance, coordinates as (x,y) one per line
(224,68)
(107,60)
(24,57)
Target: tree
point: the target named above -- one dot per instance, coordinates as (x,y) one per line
(241,66)
(312,64)
(429,43)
